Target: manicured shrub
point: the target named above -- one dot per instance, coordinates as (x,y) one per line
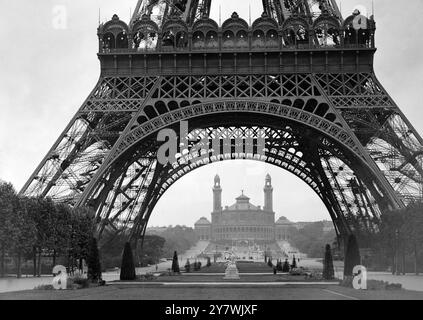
(328,270)
(294,263)
(286,267)
(279,266)
(175,263)
(127,271)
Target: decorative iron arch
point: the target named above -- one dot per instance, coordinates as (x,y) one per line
(327,130)
(296,31)
(265,23)
(235,23)
(327,31)
(144,33)
(115,26)
(113,35)
(174,34)
(314,121)
(289,157)
(358,36)
(205,25)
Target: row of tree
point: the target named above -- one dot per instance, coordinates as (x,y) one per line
(400,239)
(33,228)
(177,238)
(311,239)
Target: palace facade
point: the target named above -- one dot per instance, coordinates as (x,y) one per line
(243,221)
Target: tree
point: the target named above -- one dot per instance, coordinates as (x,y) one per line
(127,272)
(7,194)
(93,261)
(208,262)
(412,232)
(152,250)
(187,266)
(269,263)
(279,266)
(294,263)
(286,267)
(179,238)
(175,263)
(311,238)
(44,214)
(23,234)
(82,230)
(352,256)
(328,270)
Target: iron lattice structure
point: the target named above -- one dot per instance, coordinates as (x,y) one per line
(298,84)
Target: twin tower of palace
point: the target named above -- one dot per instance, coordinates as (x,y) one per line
(242,221)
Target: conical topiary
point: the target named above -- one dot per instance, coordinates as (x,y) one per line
(352,256)
(175,263)
(93,261)
(127,271)
(294,263)
(286,268)
(279,266)
(328,271)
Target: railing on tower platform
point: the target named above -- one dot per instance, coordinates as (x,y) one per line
(297,33)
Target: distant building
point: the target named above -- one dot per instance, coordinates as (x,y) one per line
(243,221)
(282,227)
(327,225)
(157,230)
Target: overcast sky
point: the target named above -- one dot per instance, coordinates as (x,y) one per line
(46,73)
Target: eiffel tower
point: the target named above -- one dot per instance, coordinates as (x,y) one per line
(300,78)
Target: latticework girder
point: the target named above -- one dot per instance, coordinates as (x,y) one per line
(298,85)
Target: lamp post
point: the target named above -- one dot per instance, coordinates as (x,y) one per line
(396,252)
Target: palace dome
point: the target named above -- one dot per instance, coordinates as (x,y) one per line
(203,221)
(242,203)
(284,221)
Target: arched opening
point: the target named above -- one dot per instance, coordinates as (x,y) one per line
(181,40)
(272,39)
(228,40)
(122,41)
(168,41)
(302,36)
(109,42)
(292,150)
(212,40)
(259,39)
(289,37)
(296,35)
(242,39)
(198,41)
(145,39)
(327,35)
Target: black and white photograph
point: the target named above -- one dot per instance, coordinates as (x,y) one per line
(211,156)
